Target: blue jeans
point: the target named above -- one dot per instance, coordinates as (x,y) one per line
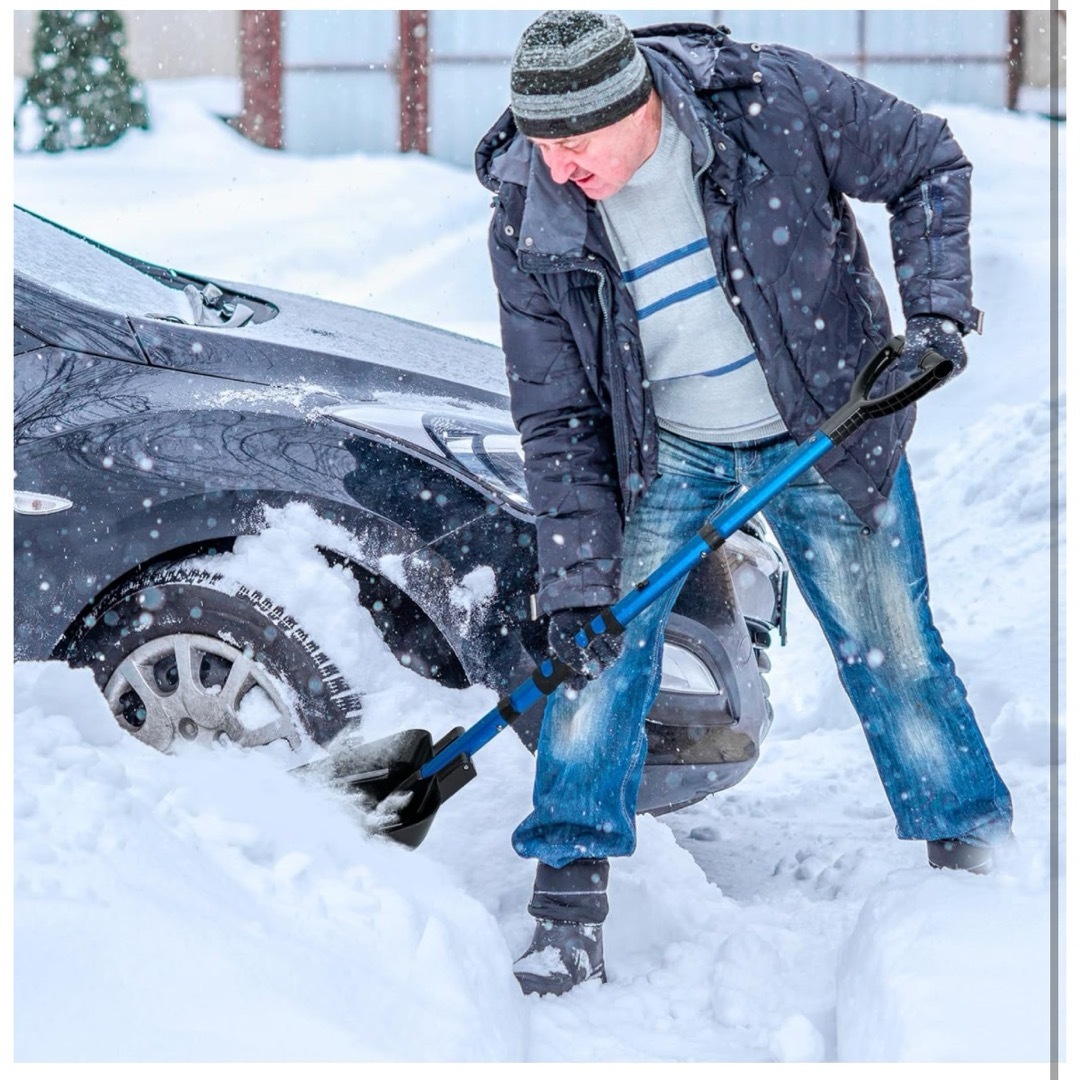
(867,589)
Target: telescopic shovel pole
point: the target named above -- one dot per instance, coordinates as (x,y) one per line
(410,778)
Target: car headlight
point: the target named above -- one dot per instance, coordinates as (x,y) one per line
(490,452)
(684,673)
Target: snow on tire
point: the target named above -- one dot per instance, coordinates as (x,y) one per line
(183,654)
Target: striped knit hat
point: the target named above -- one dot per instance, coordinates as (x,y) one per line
(573,72)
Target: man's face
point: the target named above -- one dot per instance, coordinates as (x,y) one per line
(600,162)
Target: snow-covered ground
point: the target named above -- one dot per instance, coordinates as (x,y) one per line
(211,906)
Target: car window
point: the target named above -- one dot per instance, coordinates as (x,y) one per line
(69,264)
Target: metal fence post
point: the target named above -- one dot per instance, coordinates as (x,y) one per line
(1016,58)
(412,74)
(260,73)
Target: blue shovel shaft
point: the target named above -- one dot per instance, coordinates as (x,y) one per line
(547,676)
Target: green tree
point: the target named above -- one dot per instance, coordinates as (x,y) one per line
(81,93)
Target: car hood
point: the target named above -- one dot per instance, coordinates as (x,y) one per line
(74,290)
(325,341)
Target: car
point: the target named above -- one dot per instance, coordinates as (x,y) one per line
(160,415)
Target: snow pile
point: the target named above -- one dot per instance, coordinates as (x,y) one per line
(212,906)
(907,972)
(206,895)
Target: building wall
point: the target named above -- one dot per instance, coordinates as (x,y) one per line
(160,44)
(1038,64)
(339,92)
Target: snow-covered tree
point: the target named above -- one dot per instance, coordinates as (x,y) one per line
(81,93)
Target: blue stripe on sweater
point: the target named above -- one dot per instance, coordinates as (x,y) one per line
(734,366)
(677,297)
(635,273)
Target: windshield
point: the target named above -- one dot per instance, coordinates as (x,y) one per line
(67,263)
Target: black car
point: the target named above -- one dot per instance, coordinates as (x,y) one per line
(159,414)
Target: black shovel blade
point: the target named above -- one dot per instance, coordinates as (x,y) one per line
(384,778)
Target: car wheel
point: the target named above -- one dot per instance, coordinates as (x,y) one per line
(184,655)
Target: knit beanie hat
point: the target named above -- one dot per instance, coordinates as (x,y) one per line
(574,72)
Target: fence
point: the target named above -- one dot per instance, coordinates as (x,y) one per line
(433,81)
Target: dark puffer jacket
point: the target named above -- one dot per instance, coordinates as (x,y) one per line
(779,139)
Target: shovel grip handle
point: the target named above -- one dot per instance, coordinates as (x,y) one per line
(934,369)
(551,674)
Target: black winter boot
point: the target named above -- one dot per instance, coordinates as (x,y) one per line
(570,905)
(959,855)
(562,954)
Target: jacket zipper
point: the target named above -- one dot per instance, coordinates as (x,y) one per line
(618,383)
(712,150)
(600,292)
(722,268)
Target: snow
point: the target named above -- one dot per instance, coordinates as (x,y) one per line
(93,276)
(212,906)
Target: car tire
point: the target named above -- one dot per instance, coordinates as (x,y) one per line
(183,654)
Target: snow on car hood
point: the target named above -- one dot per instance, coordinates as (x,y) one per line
(161,315)
(307,322)
(69,264)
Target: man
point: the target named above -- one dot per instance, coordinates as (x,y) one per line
(685,296)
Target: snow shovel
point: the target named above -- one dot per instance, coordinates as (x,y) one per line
(405,778)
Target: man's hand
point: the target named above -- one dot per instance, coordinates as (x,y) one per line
(932,332)
(603,650)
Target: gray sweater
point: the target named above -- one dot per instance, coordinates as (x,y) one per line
(705,378)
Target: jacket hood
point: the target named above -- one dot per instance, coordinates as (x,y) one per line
(706,55)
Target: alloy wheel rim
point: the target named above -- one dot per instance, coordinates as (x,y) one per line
(190,688)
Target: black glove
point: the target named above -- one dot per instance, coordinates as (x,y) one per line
(588,663)
(932,332)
